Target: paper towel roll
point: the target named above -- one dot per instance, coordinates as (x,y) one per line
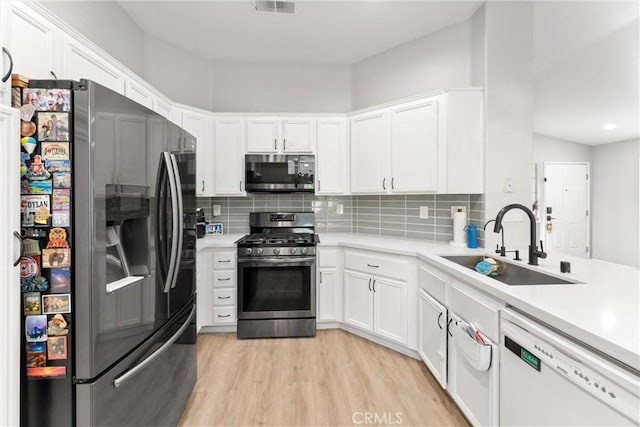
(459,222)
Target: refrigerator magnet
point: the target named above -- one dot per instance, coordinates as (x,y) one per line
(61,219)
(27,128)
(53,127)
(37,346)
(57,348)
(57,257)
(61,200)
(57,238)
(36,359)
(36,210)
(36,171)
(57,326)
(39,187)
(60,280)
(35,284)
(47,372)
(56,303)
(54,150)
(29,267)
(35,328)
(31,302)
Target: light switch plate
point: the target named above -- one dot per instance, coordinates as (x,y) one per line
(424,212)
(216,210)
(339,209)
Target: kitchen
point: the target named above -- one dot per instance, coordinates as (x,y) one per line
(466,48)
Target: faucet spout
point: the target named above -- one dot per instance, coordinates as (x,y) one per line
(534,252)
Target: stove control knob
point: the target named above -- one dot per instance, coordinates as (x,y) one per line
(248,251)
(276,251)
(292,251)
(259,251)
(303,251)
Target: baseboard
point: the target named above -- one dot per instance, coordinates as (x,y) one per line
(217,329)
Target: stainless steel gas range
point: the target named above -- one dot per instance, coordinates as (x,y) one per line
(277,276)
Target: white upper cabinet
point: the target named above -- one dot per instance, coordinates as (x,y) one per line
(5,62)
(200,124)
(34,42)
(138,92)
(369,140)
(331,156)
(80,62)
(280,135)
(229,156)
(414,147)
(162,106)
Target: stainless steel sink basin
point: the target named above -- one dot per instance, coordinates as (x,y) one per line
(511,274)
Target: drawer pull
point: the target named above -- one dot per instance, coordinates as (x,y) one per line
(373,266)
(227,297)
(225,260)
(226,315)
(224,280)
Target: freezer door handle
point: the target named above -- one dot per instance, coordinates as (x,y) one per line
(122,379)
(169,161)
(178,221)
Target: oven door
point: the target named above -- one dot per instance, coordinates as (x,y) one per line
(276,288)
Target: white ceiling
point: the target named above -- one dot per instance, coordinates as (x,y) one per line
(586,54)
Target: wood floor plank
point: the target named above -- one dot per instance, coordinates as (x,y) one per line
(334,379)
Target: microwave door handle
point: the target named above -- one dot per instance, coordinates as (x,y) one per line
(179,221)
(161,219)
(174,227)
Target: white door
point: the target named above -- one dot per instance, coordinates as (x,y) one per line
(327,289)
(565,213)
(432,336)
(357,300)
(199,125)
(390,309)
(414,147)
(229,150)
(262,135)
(331,158)
(298,135)
(368,143)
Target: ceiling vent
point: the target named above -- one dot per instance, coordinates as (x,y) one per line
(268,6)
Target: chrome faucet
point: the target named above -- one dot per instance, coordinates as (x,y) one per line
(534,253)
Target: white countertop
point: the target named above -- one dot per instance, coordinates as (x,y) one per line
(603,312)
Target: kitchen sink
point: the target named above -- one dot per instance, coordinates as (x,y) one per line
(511,274)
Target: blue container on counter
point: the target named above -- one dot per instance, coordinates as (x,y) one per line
(472,235)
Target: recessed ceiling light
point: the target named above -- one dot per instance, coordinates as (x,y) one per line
(609,126)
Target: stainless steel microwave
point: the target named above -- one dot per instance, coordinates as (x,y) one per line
(279,173)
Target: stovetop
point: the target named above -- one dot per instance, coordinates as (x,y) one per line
(278,239)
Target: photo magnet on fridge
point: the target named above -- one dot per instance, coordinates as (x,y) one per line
(56,303)
(52,258)
(31,302)
(38,347)
(61,199)
(36,359)
(53,127)
(61,172)
(57,348)
(35,328)
(60,279)
(47,372)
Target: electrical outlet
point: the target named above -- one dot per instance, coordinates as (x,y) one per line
(508,185)
(216,210)
(424,212)
(339,209)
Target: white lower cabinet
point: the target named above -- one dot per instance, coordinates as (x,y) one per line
(358,308)
(204,286)
(328,294)
(432,336)
(224,286)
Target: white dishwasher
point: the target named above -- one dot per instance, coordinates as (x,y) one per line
(545,379)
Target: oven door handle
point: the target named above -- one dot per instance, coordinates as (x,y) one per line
(266,262)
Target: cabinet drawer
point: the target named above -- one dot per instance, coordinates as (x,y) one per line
(224,297)
(328,258)
(433,282)
(477,309)
(224,278)
(389,267)
(224,314)
(224,259)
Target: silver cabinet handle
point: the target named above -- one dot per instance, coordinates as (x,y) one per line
(53,75)
(373,266)
(384,180)
(240,185)
(224,280)
(224,260)
(227,297)
(19,237)
(439,316)
(284,144)
(449,326)
(203,185)
(374,285)
(318,185)
(370,284)
(6,76)
(392,186)
(226,315)
(275,144)
(140,366)
(321,277)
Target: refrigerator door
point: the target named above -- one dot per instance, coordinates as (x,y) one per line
(149,387)
(118,303)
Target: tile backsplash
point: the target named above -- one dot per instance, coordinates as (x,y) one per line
(397,216)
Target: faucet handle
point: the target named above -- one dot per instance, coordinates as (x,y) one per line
(542,253)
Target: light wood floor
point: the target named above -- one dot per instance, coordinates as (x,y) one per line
(334,379)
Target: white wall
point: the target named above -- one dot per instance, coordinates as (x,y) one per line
(439,60)
(478,51)
(509,107)
(550,149)
(615,203)
(107,25)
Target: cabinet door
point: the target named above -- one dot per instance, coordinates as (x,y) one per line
(10,316)
(204,286)
(368,142)
(5,88)
(390,309)
(331,157)
(162,106)
(262,135)
(80,62)
(228,153)
(414,147)
(432,336)
(199,125)
(475,391)
(328,295)
(298,135)
(138,92)
(32,41)
(357,300)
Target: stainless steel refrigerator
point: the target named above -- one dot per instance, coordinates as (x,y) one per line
(126,294)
